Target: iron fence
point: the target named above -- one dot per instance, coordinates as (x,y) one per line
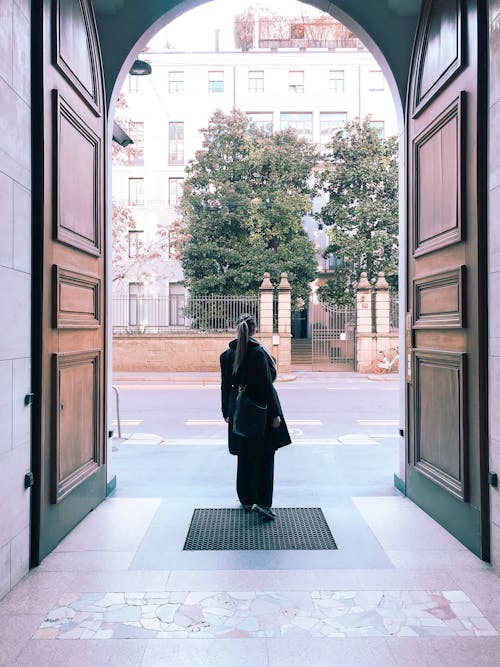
(394,310)
(211,313)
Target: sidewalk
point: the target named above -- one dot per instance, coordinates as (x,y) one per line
(214,377)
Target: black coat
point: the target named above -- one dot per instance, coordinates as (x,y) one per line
(258,373)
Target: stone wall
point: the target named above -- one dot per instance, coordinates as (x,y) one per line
(181,353)
(15,294)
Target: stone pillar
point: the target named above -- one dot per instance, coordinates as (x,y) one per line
(365,338)
(266,306)
(284,325)
(382,305)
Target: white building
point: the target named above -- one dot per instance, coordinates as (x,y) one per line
(314,90)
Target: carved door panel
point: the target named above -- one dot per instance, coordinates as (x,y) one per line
(69,338)
(446,324)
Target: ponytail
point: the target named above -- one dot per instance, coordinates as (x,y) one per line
(245,328)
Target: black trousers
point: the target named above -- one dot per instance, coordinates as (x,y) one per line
(255,480)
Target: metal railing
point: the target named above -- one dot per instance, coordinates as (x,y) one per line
(211,313)
(394,310)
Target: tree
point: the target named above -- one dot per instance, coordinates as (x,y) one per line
(147,260)
(243,199)
(244,29)
(360,177)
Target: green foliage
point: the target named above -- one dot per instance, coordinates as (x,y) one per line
(243,199)
(361,180)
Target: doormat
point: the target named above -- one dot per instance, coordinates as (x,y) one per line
(295,528)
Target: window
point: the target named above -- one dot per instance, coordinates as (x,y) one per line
(176,143)
(329,123)
(295,82)
(135,306)
(135,83)
(375,80)
(216,82)
(135,242)
(176,82)
(378,125)
(136,154)
(263,120)
(302,122)
(256,82)
(136,191)
(336,81)
(174,190)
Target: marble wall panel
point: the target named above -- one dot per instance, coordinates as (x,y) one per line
(24,6)
(6,10)
(21,54)
(19,556)
(22,229)
(15,298)
(6,219)
(21,413)
(15,148)
(5,406)
(4,569)
(13,496)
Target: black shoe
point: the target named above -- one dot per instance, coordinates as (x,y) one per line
(265,512)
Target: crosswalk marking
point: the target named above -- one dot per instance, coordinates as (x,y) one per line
(378,422)
(220,422)
(128,422)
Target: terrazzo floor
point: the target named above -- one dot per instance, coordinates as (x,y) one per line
(163,615)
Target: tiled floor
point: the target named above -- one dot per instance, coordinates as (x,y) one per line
(119,590)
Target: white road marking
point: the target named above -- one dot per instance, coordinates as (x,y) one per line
(378,422)
(221,422)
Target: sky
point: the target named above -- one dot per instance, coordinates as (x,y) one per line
(195,30)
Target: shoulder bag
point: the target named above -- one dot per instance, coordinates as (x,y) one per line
(249,417)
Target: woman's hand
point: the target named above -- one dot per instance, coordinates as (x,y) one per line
(276,422)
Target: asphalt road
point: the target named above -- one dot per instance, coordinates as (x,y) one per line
(320,408)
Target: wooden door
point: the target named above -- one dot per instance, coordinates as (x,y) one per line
(446,323)
(69,278)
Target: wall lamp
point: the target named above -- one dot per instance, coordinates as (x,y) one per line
(140,68)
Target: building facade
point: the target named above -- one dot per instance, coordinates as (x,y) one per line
(314,90)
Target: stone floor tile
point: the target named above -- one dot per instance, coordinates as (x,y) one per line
(323,652)
(205,653)
(483,588)
(37,592)
(129,581)
(251,580)
(109,652)
(15,633)
(436,559)
(119,524)
(89,561)
(413,652)
(468,651)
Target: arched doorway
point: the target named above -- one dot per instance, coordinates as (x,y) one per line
(70,357)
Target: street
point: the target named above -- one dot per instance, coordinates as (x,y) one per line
(320,408)
(344,429)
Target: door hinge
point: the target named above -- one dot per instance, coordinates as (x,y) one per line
(29,480)
(493,479)
(28,399)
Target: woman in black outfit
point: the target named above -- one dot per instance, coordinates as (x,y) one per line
(246,362)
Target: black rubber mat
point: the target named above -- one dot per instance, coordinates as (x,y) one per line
(234,529)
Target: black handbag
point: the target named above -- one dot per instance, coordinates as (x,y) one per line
(249,417)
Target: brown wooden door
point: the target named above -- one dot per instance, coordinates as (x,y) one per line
(446,344)
(68,335)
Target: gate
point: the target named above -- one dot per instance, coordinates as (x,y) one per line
(333,336)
